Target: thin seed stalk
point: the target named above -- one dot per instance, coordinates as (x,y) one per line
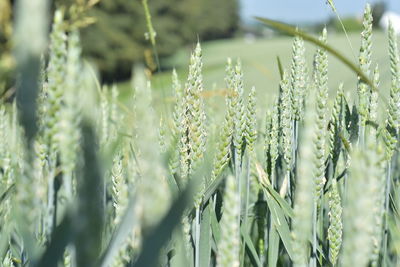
(386,212)
(197,238)
(287,133)
(247,194)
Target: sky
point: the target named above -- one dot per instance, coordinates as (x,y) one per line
(304,11)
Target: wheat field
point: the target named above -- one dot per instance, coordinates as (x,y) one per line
(206,176)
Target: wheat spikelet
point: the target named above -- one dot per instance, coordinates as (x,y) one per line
(154,200)
(228,248)
(7,260)
(69,135)
(178,107)
(119,188)
(174,162)
(223,153)
(378,186)
(373,113)
(304,194)
(192,140)
(298,77)
(105,117)
(359,222)
(365,65)
(394,111)
(251,120)
(389,141)
(56,81)
(274,140)
(336,125)
(162,136)
(335,222)
(115,115)
(267,136)
(286,125)
(321,110)
(120,196)
(238,110)
(7,175)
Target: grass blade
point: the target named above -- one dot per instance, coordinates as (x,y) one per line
(205,237)
(250,246)
(89,219)
(282,203)
(216,230)
(126,225)
(281,224)
(162,232)
(61,236)
(273,246)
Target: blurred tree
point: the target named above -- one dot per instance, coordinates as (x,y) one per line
(76,12)
(7,63)
(113,31)
(210,19)
(378,9)
(117,39)
(76,17)
(351,24)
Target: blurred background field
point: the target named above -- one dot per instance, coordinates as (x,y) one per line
(235,33)
(259,59)
(115,38)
